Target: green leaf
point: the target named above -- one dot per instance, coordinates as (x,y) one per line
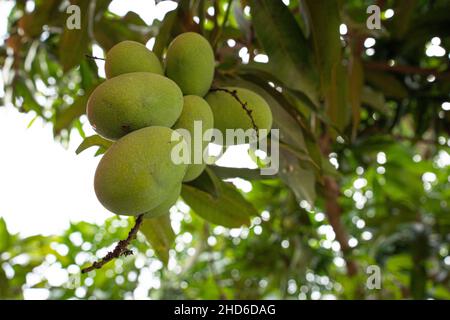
(164,33)
(4,236)
(300,179)
(32,23)
(89,76)
(336,99)
(387,83)
(73,44)
(24,89)
(247,174)
(324,24)
(160,235)
(288,49)
(93,141)
(401,22)
(374,99)
(112,30)
(207,182)
(167,27)
(65,118)
(229,209)
(356,82)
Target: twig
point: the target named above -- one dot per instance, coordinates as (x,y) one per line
(121,248)
(404,69)
(244,105)
(94,57)
(415,139)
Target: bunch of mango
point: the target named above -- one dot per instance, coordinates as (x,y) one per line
(141,103)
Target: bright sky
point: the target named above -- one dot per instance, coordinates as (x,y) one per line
(44,186)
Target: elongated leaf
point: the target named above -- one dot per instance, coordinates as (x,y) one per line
(336,98)
(230,209)
(324,24)
(288,50)
(207,182)
(32,23)
(74,42)
(4,236)
(247,174)
(356,82)
(94,141)
(404,11)
(300,180)
(168,26)
(324,19)
(160,235)
(164,33)
(374,99)
(110,31)
(387,83)
(64,119)
(24,89)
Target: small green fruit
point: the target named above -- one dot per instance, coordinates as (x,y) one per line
(230,114)
(190,63)
(133,101)
(195,109)
(131,56)
(165,206)
(137,174)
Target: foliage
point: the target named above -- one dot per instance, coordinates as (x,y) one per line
(364,176)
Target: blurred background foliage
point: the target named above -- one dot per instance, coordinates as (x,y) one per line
(364,179)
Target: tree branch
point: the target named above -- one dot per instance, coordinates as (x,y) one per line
(334,212)
(404,69)
(121,248)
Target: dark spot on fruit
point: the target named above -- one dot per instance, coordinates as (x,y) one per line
(126,128)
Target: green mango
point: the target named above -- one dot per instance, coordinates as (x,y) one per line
(195,109)
(165,206)
(137,174)
(190,63)
(131,56)
(133,101)
(230,114)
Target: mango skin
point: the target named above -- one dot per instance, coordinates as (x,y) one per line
(136,174)
(190,63)
(133,101)
(165,206)
(229,113)
(195,109)
(131,56)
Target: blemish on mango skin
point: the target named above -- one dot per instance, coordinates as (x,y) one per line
(126,128)
(133,101)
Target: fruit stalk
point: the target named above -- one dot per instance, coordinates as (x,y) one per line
(121,248)
(234,94)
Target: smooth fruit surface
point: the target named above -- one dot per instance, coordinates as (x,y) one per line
(137,174)
(164,207)
(131,56)
(195,109)
(133,101)
(230,114)
(190,63)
